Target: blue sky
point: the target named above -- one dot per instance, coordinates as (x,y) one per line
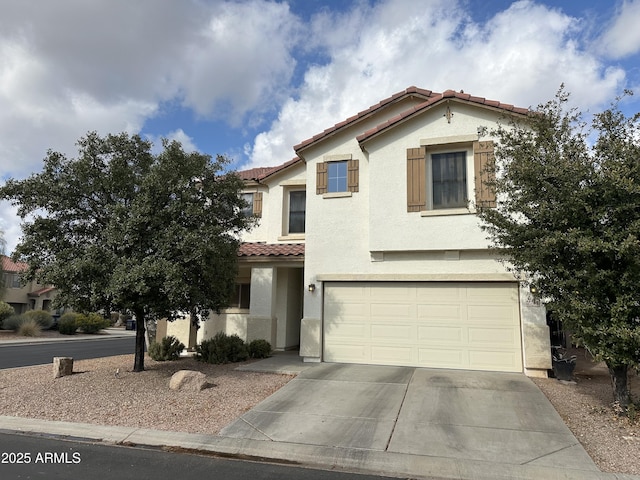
(249,79)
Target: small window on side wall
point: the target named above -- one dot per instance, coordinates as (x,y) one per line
(297,211)
(337,175)
(254,204)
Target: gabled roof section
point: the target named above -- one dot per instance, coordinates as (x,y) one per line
(407,93)
(259,174)
(435,100)
(42,291)
(10,266)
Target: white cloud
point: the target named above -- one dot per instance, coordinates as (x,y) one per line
(519,56)
(187,142)
(622,38)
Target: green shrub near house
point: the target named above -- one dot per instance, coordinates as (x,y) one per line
(259,349)
(67,324)
(13,322)
(6,311)
(91,322)
(222,348)
(41,317)
(168,348)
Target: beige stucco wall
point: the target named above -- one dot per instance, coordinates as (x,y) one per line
(369,235)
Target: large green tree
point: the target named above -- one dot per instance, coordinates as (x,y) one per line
(121,228)
(568,221)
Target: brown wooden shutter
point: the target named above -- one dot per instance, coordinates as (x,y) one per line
(485,175)
(416,179)
(321,178)
(257,204)
(352,175)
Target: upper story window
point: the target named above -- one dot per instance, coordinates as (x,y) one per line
(337,174)
(439,180)
(254,204)
(297,211)
(12,280)
(337,177)
(448,180)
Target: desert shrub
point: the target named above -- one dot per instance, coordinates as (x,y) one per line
(29,328)
(91,322)
(259,349)
(168,348)
(41,317)
(6,311)
(67,324)
(222,348)
(13,322)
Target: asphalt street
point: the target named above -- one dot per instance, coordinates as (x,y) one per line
(24,355)
(26,457)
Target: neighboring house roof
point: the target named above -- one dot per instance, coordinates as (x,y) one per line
(259,174)
(9,265)
(260,249)
(42,291)
(431,98)
(409,92)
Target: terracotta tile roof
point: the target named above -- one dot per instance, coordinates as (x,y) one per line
(409,92)
(9,265)
(431,98)
(437,98)
(42,291)
(259,249)
(260,173)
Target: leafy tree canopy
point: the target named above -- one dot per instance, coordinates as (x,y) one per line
(569,219)
(119,228)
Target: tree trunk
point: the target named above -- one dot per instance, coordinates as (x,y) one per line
(619,384)
(138,364)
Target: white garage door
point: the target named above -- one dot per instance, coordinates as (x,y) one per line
(425,324)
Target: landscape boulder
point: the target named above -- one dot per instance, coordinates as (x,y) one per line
(189,380)
(62,366)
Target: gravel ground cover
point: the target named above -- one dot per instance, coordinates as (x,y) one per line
(586,406)
(94,394)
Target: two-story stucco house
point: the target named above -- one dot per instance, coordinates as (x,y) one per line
(371,231)
(22,298)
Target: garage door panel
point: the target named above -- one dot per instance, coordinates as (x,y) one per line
(497,337)
(348,330)
(430,324)
(393,332)
(392,310)
(438,333)
(392,355)
(451,312)
(442,358)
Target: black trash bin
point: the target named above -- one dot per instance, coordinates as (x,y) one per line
(131,325)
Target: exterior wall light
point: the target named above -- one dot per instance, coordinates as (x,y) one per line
(533,289)
(312,287)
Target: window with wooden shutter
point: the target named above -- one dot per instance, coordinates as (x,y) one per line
(353,173)
(416,179)
(484,169)
(321,178)
(257,204)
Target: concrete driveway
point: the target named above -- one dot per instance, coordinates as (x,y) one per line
(482,416)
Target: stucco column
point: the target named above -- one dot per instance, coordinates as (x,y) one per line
(261,322)
(536,341)
(311,324)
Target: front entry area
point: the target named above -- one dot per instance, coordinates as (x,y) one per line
(458,325)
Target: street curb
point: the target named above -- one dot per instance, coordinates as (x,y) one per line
(72,338)
(313,456)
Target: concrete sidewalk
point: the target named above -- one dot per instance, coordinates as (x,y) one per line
(393,421)
(112,332)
